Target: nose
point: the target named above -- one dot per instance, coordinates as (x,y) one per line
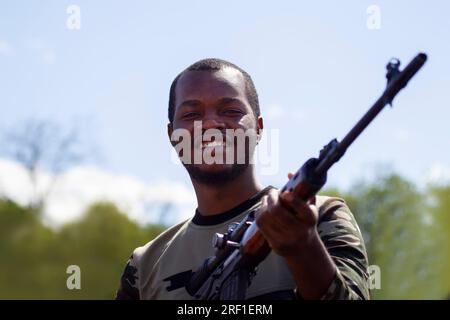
(213,121)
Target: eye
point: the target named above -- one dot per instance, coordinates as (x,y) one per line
(190,115)
(233,112)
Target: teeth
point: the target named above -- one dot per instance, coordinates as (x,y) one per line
(212,144)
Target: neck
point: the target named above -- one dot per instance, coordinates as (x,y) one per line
(214,199)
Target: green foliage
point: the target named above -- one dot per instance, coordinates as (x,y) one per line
(439,207)
(401,237)
(34,258)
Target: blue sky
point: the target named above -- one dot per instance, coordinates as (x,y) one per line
(316,65)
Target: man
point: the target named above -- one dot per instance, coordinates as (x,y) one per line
(317,248)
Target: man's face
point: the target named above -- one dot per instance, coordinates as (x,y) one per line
(218,100)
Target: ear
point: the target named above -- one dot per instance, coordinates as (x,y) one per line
(169,132)
(259,128)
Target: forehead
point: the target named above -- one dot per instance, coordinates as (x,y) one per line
(210,85)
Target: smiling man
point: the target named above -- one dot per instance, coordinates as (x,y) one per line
(317,248)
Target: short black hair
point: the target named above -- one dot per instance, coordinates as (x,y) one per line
(213,64)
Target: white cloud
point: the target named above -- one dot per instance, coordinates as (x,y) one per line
(80,186)
(46,53)
(6,49)
(14,182)
(438,173)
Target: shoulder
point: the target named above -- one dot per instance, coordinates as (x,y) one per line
(155,248)
(142,258)
(331,208)
(327,203)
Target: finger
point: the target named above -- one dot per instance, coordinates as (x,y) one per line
(265,215)
(290,175)
(281,214)
(300,207)
(270,227)
(291,201)
(272,215)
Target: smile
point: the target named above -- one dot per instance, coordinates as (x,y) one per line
(213,144)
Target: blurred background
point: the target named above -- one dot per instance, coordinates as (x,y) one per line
(86,169)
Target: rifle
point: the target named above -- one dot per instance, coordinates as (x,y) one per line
(228,274)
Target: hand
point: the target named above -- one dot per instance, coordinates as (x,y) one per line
(287,222)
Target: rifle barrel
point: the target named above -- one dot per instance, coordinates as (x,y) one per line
(393,87)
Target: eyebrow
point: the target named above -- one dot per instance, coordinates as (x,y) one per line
(196,103)
(190,103)
(229,100)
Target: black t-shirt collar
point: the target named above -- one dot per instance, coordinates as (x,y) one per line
(219,218)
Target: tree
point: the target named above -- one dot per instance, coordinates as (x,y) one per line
(34,258)
(41,144)
(28,255)
(394,221)
(439,207)
(100,243)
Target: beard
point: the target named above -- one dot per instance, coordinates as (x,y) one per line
(228,173)
(216,178)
